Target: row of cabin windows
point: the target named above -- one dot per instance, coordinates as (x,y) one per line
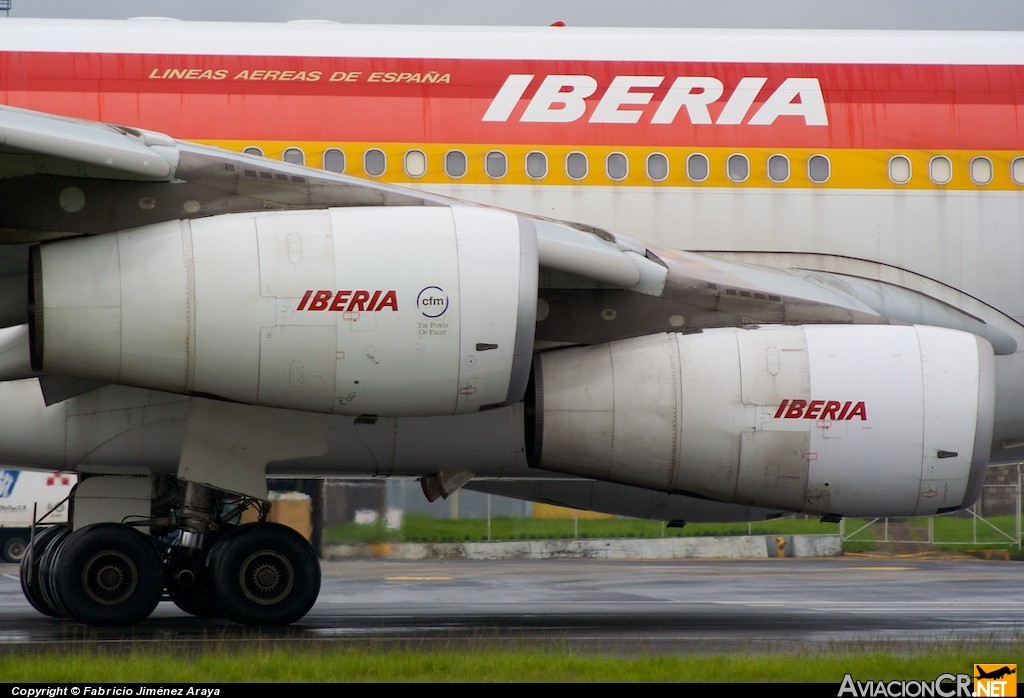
(616,166)
(940,170)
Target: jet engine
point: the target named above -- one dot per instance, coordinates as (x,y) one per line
(830,420)
(396,311)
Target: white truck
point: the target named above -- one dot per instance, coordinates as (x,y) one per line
(25,494)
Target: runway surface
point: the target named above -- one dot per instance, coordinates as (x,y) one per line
(625,607)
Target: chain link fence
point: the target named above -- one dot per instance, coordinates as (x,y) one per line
(994,521)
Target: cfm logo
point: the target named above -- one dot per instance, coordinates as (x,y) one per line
(630,98)
(822,409)
(349,301)
(432,302)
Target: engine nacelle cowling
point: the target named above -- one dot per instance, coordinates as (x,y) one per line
(831,420)
(397,311)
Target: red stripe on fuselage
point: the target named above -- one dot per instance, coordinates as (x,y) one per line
(868,106)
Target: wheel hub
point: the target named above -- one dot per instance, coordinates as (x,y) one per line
(266,577)
(109,578)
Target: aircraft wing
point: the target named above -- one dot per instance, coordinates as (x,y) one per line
(189,310)
(76,178)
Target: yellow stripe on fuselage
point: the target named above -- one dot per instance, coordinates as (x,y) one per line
(848,169)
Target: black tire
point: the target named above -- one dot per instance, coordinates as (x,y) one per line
(196,598)
(31,582)
(265,574)
(14,548)
(46,578)
(108,574)
(187,577)
(200,603)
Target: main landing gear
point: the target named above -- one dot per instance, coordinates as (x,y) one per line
(191,550)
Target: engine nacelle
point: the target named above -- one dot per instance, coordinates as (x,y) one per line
(397,311)
(832,420)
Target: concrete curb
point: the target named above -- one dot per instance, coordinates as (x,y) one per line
(726,547)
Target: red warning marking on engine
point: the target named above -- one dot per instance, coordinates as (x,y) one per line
(349,301)
(822,409)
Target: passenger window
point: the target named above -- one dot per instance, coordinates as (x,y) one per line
(576,165)
(778,168)
(981,170)
(1017,170)
(657,167)
(899,169)
(616,166)
(415,163)
(455,163)
(294,156)
(536,165)
(940,169)
(334,160)
(818,169)
(738,167)
(496,164)
(253,150)
(375,162)
(697,168)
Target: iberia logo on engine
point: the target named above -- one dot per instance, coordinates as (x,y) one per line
(349,301)
(835,410)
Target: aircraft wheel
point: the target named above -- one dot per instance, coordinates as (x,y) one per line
(265,574)
(196,602)
(31,580)
(190,588)
(187,575)
(46,575)
(108,574)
